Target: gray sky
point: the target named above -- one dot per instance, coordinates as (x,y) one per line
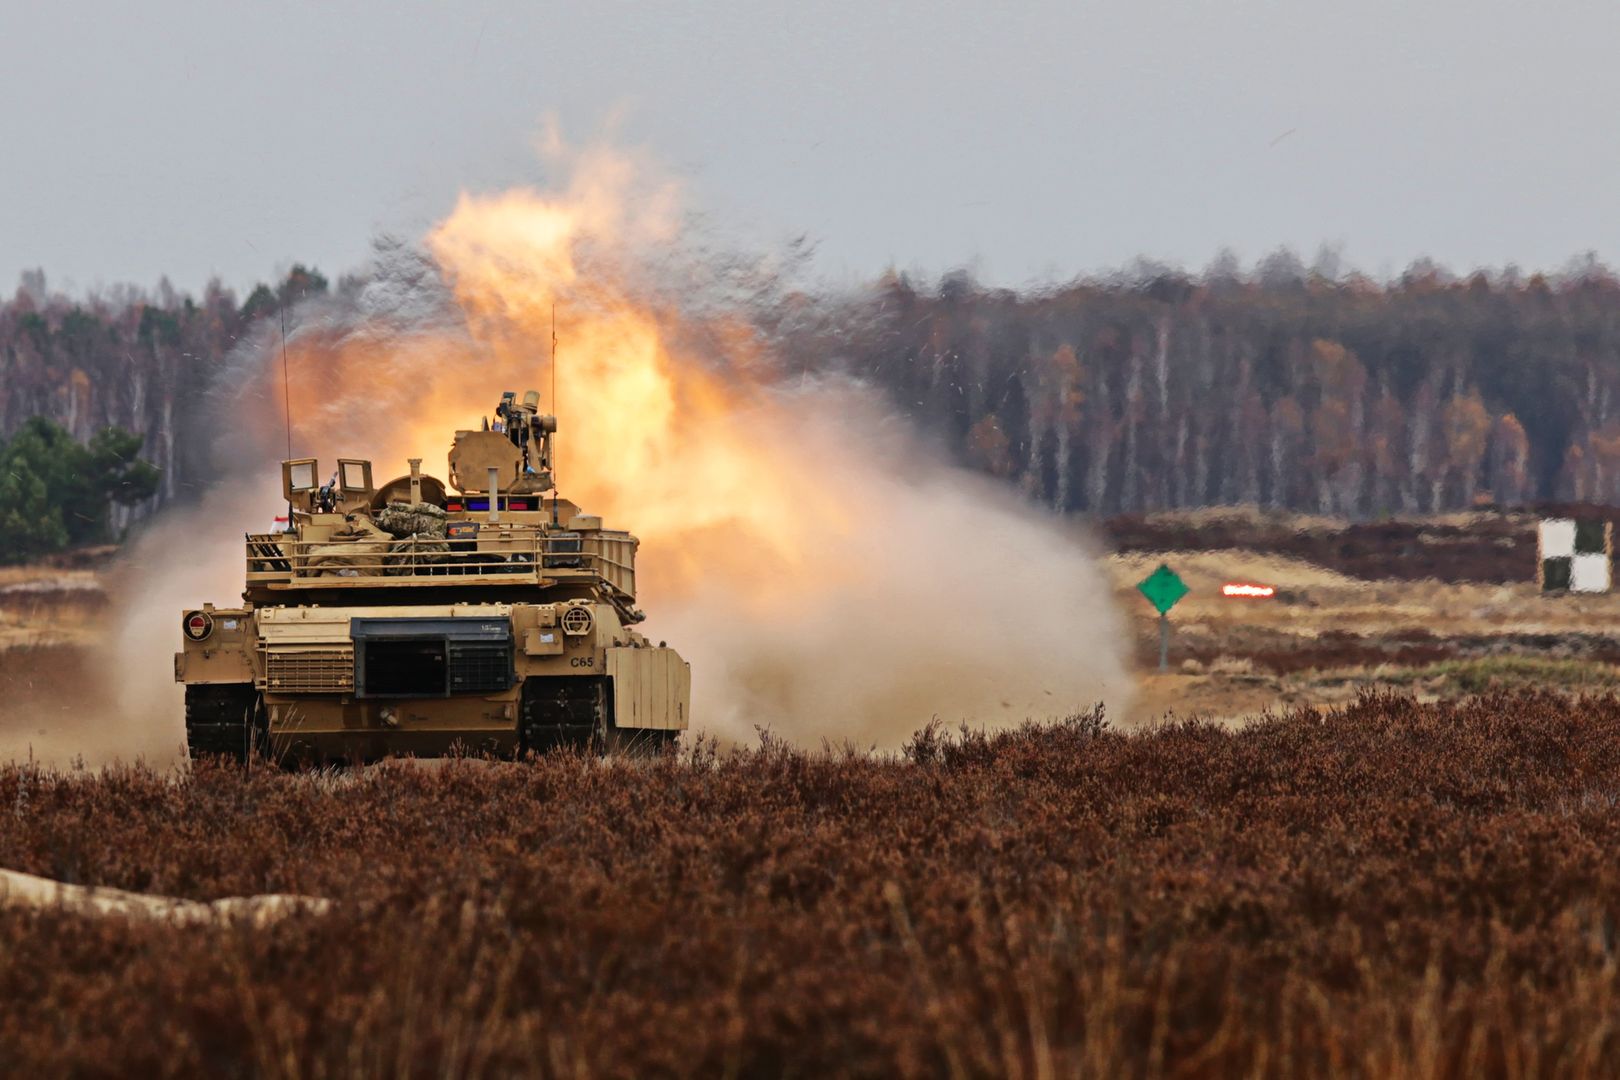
(1029,141)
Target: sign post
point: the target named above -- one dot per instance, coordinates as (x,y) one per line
(1163,588)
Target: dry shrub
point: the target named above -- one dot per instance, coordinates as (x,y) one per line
(1232,665)
(1390,889)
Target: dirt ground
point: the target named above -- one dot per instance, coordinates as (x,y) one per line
(58,685)
(45,606)
(51,621)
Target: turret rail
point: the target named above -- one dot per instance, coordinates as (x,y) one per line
(519,558)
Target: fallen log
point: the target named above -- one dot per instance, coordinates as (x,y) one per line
(19,890)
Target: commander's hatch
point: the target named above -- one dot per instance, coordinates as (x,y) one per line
(300,478)
(354,484)
(354,477)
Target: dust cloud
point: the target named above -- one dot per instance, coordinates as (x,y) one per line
(935,595)
(100,687)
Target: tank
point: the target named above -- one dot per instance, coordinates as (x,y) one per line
(482,613)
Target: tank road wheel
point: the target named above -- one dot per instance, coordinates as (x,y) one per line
(225,719)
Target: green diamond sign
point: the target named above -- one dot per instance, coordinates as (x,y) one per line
(1163,588)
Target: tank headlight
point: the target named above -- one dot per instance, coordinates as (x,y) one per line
(577,621)
(198,624)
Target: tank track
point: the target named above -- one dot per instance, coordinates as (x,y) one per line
(574,713)
(224,719)
(564,711)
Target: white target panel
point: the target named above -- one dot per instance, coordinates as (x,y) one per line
(1557,538)
(1589,573)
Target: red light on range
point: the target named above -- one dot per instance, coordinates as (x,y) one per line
(1246,589)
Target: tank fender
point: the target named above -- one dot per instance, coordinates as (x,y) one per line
(216,646)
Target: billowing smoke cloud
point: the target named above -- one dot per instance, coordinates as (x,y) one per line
(827,575)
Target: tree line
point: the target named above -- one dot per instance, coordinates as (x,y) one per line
(142,361)
(1281,385)
(57,493)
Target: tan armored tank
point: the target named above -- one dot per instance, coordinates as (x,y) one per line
(423,618)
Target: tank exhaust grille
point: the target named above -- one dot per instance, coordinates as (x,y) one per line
(480,668)
(309,671)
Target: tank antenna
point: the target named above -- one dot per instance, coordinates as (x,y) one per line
(286,399)
(286,383)
(553,462)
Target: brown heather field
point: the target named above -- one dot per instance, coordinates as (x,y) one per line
(1391,889)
